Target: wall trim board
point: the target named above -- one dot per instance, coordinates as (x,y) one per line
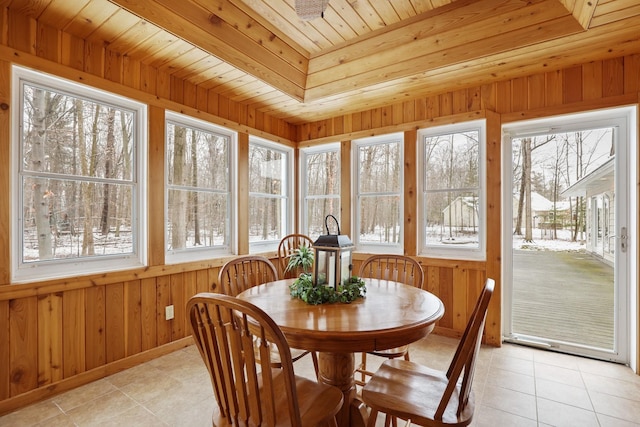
(403,127)
(576,107)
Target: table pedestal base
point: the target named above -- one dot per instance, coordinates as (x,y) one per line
(337,369)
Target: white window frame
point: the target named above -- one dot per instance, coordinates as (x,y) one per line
(196,254)
(287,221)
(59,268)
(304,184)
(395,248)
(478,253)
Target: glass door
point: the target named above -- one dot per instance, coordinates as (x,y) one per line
(564,244)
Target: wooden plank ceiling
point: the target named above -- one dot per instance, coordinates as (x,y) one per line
(362,54)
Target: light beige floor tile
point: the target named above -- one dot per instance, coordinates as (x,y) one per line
(514,364)
(574,396)
(62,420)
(81,395)
(511,380)
(558,374)
(559,414)
(607,421)
(614,406)
(490,417)
(144,391)
(142,373)
(32,414)
(621,388)
(102,409)
(134,417)
(187,413)
(514,402)
(518,351)
(607,369)
(556,359)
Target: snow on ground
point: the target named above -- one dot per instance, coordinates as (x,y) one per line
(542,242)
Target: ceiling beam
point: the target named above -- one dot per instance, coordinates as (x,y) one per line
(228,33)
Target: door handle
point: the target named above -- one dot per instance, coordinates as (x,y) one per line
(623,239)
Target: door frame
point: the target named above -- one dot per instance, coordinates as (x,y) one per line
(624,120)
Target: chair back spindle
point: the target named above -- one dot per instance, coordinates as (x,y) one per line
(245,272)
(398,268)
(286,248)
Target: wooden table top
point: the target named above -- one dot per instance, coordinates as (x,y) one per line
(392,314)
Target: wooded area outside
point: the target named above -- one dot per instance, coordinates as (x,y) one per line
(548,165)
(78,176)
(269,192)
(199,187)
(321,182)
(452,189)
(379,191)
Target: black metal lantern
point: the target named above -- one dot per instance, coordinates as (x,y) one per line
(332,257)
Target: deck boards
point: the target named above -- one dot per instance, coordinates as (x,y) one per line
(563,296)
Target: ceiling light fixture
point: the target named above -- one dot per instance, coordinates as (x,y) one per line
(311,9)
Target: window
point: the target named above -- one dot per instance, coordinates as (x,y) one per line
(78,160)
(200,206)
(379,189)
(453,190)
(320,183)
(270,167)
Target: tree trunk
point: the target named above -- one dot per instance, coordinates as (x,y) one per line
(108,171)
(194,182)
(88,188)
(518,227)
(41,194)
(526,177)
(266,203)
(178,204)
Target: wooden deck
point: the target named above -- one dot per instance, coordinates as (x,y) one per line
(564,296)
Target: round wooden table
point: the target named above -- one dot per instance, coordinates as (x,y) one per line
(392,314)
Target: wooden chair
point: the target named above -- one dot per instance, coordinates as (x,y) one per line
(425,396)
(244,272)
(286,247)
(398,268)
(251,391)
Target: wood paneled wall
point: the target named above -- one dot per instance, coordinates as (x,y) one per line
(59,334)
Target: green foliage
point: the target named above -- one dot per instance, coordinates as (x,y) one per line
(350,290)
(301,257)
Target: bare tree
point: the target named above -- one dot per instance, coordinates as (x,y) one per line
(88,161)
(40,191)
(194,183)
(177,201)
(108,171)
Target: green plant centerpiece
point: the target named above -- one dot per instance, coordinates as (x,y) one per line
(301,258)
(351,289)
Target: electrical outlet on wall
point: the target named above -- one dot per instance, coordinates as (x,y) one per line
(168,312)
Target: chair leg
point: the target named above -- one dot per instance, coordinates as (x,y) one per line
(373,417)
(363,367)
(314,358)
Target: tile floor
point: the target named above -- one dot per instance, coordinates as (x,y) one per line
(514,386)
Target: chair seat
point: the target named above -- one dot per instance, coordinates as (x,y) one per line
(318,403)
(408,390)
